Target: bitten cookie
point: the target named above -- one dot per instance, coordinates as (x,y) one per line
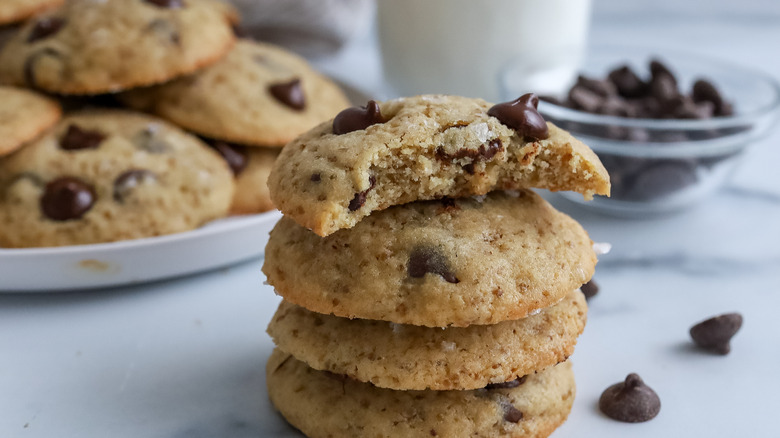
(322,405)
(421,148)
(251,167)
(407,357)
(259,95)
(92,47)
(441,263)
(102,177)
(24,115)
(12,11)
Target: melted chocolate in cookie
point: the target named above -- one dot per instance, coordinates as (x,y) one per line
(428,259)
(357,118)
(289,93)
(521,115)
(76,138)
(360,198)
(45,27)
(168,4)
(67,198)
(507,385)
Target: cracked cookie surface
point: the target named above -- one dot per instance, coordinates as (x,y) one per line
(93,47)
(113,175)
(324,405)
(441,263)
(420,148)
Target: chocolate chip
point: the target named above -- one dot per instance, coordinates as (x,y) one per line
(511,413)
(360,198)
(715,333)
(482,153)
(357,118)
(168,4)
(507,385)
(126,182)
(289,93)
(631,401)
(664,89)
(583,99)
(469,168)
(67,198)
(601,88)
(627,83)
(315,177)
(705,91)
(234,155)
(35,58)
(76,138)
(521,115)
(589,289)
(148,140)
(659,70)
(428,259)
(45,27)
(165,29)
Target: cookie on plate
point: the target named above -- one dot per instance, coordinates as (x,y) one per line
(24,115)
(323,404)
(259,95)
(93,47)
(13,11)
(441,263)
(251,167)
(425,147)
(407,357)
(103,177)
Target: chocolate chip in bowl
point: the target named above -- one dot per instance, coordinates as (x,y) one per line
(668,126)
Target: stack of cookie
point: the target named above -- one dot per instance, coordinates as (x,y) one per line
(427,291)
(106,174)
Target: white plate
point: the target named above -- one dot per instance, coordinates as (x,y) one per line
(218,244)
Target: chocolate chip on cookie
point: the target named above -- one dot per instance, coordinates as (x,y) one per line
(590,289)
(67,198)
(234,155)
(76,138)
(357,118)
(511,413)
(289,93)
(507,385)
(126,182)
(430,260)
(521,115)
(715,334)
(168,4)
(44,28)
(630,401)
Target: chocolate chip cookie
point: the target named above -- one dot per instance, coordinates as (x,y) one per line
(259,95)
(323,404)
(408,357)
(13,11)
(436,263)
(24,115)
(102,177)
(421,148)
(92,47)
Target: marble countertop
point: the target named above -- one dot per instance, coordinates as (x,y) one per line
(185,357)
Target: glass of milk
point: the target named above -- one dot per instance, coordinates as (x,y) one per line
(463,46)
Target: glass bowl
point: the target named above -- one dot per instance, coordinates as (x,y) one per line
(665,165)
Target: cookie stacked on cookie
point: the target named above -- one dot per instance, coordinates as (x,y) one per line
(427,291)
(177,59)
